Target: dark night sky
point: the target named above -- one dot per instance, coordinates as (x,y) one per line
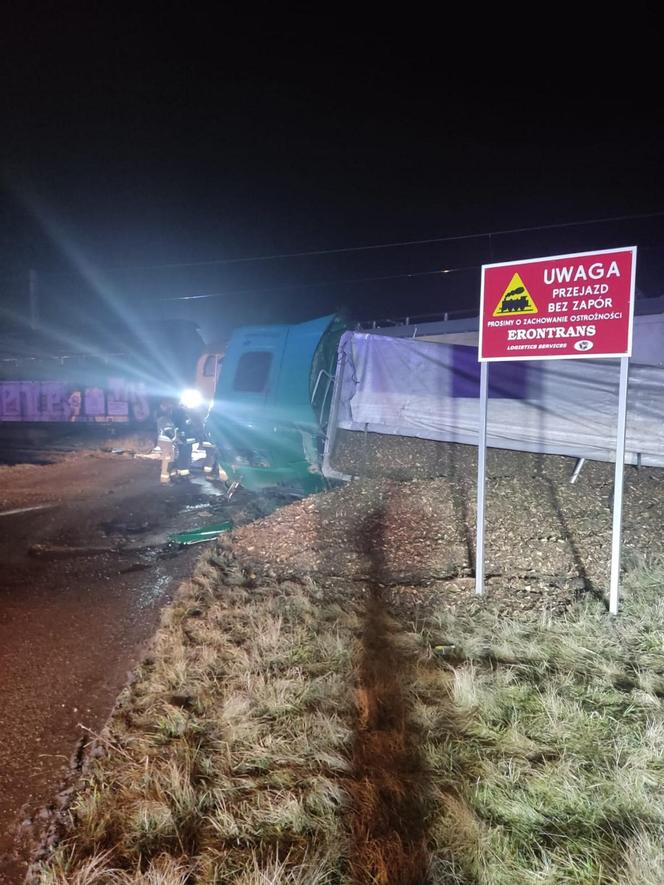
(153,138)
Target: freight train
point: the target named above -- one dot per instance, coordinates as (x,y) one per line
(118,378)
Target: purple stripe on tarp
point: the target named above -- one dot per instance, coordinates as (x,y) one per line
(506,380)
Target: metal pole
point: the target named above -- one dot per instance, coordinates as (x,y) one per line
(481,477)
(577,470)
(34,299)
(618,487)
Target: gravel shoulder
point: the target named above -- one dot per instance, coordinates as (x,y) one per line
(547,540)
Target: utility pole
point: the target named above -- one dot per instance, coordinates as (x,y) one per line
(34,299)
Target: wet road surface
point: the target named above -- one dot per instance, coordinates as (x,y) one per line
(73,626)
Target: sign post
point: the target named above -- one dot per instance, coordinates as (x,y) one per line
(481,480)
(577,306)
(618,487)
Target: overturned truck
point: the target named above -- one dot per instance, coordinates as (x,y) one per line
(287,395)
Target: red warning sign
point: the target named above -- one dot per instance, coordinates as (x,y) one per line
(561,307)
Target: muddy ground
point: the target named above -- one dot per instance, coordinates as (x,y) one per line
(73,626)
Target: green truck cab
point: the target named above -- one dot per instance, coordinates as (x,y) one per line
(272,402)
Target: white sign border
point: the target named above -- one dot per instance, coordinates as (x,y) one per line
(566,356)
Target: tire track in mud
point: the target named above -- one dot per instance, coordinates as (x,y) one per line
(389,783)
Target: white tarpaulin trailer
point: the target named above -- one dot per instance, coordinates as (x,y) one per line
(412,387)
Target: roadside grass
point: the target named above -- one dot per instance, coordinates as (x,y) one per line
(229,757)
(560,743)
(225,757)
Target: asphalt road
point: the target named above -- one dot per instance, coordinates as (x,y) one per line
(73,626)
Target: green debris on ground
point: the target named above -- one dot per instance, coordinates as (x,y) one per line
(201,534)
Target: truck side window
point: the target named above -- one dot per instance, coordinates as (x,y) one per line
(252,371)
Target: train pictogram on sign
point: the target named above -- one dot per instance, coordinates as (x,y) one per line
(516,300)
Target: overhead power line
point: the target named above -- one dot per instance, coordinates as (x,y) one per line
(319,284)
(377,246)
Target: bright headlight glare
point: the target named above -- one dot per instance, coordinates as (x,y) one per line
(191,398)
